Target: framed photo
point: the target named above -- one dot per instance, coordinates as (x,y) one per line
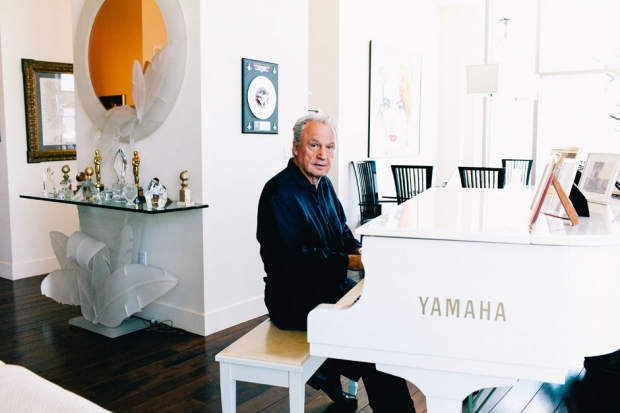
(542,189)
(599,177)
(50,110)
(394,106)
(565,171)
(259,97)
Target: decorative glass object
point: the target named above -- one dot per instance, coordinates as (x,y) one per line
(65,184)
(130,192)
(106,197)
(120,167)
(156,193)
(89,191)
(49,187)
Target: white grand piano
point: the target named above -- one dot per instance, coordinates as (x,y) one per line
(460,295)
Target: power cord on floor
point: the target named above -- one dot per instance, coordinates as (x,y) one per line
(165,326)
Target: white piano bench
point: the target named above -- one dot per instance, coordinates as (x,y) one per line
(271,356)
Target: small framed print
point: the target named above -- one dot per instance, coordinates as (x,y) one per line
(259,97)
(599,177)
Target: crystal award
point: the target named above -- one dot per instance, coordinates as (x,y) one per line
(120,167)
(49,187)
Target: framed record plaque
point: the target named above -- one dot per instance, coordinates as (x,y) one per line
(259,97)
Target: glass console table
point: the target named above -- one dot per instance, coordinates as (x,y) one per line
(171,206)
(121,228)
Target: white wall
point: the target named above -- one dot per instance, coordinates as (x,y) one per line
(40,30)
(237,165)
(324,63)
(409,26)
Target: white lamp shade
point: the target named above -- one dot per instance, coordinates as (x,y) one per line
(482,78)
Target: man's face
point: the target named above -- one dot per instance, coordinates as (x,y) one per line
(315,153)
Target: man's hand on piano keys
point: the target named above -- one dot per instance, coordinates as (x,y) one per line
(355,263)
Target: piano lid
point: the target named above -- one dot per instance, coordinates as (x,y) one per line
(460,214)
(492,215)
(602,227)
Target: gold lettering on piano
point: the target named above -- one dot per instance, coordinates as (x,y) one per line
(485,310)
(469,310)
(453,309)
(423,305)
(500,312)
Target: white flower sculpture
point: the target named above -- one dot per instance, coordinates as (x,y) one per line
(131,123)
(107,286)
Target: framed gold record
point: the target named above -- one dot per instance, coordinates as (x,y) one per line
(259,97)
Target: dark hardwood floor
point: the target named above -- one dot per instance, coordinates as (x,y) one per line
(168,370)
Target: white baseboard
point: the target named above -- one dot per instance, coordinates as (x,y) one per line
(202,324)
(17,271)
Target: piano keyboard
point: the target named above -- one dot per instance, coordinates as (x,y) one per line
(352,296)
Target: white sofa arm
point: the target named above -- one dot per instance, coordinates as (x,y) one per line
(22,391)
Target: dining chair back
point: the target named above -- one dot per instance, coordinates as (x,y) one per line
(410,180)
(481,177)
(517,170)
(366,177)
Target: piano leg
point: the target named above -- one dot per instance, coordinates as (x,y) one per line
(444,390)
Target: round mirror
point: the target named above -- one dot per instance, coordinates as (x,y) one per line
(123,31)
(123,122)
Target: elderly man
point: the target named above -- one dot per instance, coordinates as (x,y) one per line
(307,248)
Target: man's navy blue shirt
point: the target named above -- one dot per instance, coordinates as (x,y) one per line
(305,243)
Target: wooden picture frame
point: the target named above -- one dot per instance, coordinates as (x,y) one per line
(542,189)
(565,171)
(49,97)
(599,177)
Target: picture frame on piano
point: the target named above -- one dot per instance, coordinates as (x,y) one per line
(599,177)
(565,171)
(542,189)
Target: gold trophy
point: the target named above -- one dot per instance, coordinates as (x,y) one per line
(184,194)
(100,187)
(66,181)
(89,191)
(135,162)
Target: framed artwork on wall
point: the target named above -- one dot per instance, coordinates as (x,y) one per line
(259,97)
(394,106)
(599,177)
(49,96)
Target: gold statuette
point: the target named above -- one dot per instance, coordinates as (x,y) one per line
(97,160)
(184,193)
(135,162)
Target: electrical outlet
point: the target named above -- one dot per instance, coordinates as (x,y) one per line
(142,257)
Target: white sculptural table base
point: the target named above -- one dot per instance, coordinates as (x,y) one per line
(129,325)
(100,270)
